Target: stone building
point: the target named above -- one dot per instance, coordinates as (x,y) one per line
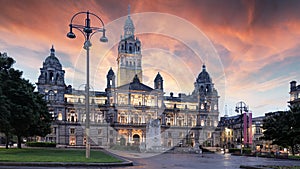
(125,112)
(294,94)
(229,129)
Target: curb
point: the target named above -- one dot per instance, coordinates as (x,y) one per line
(125,162)
(61,164)
(251,167)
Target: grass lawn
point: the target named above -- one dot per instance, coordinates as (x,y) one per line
(54,155)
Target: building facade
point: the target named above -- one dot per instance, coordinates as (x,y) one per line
(294,94)
(128,112)
(231,133)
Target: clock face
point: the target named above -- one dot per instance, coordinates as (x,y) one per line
(128,33)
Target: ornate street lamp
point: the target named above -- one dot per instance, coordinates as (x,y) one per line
(88,31)
(240,107)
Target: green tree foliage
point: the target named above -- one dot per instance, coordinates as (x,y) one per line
(24,113)
(5,104)
(283,128)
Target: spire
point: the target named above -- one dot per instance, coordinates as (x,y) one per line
(226,111)
(136,79)
(128,27)
(128,10)
(52,51)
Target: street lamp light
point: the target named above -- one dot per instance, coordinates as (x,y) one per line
(240,107)
(88,31)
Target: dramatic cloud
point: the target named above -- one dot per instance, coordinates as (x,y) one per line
(257,43)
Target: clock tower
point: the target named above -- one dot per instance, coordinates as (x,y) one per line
(129,55)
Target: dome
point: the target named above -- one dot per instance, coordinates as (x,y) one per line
(52,61)
(203,77)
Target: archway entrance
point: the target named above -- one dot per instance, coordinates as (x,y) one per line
(136,139)
(122,141)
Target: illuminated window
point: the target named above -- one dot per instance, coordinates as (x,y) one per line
(72,140)
(202,122)
(72,117)
(59,117)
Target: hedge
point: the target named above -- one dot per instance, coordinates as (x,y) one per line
(40,144)
(237,150)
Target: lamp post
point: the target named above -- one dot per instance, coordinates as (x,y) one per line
(240,107)
(88,31)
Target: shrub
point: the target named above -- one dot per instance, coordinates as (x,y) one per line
(234,150)
(247,151)
(40,144)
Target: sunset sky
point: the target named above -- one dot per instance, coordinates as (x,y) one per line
(251,48)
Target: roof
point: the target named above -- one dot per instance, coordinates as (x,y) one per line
(204,77)
(136,85)
(52,61)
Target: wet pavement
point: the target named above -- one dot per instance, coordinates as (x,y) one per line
(208,161)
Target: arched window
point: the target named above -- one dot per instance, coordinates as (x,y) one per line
(148,118)
(180,121)
(202,122)
(72,117)
(208,122)
(51,95)
(130,49)
(51,76)
(59,117)
(136,118)
(123,118)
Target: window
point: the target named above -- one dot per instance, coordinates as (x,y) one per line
(180,121)
(51,95)
(51,77)
(180,135)
(59,116)
(52,113)
(202,122)
(72,117)
(99,131)
(123,119)
(169,143)
(148,118)
(72,140)
(100,141)
(53,130)
(111,132)
(169,134)
(72,130)
(136,118)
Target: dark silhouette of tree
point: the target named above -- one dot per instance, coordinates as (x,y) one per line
(23,112)
(283,128)
(5,104)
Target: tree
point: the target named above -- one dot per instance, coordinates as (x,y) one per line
(282,128)
(25,111)
(5,65)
